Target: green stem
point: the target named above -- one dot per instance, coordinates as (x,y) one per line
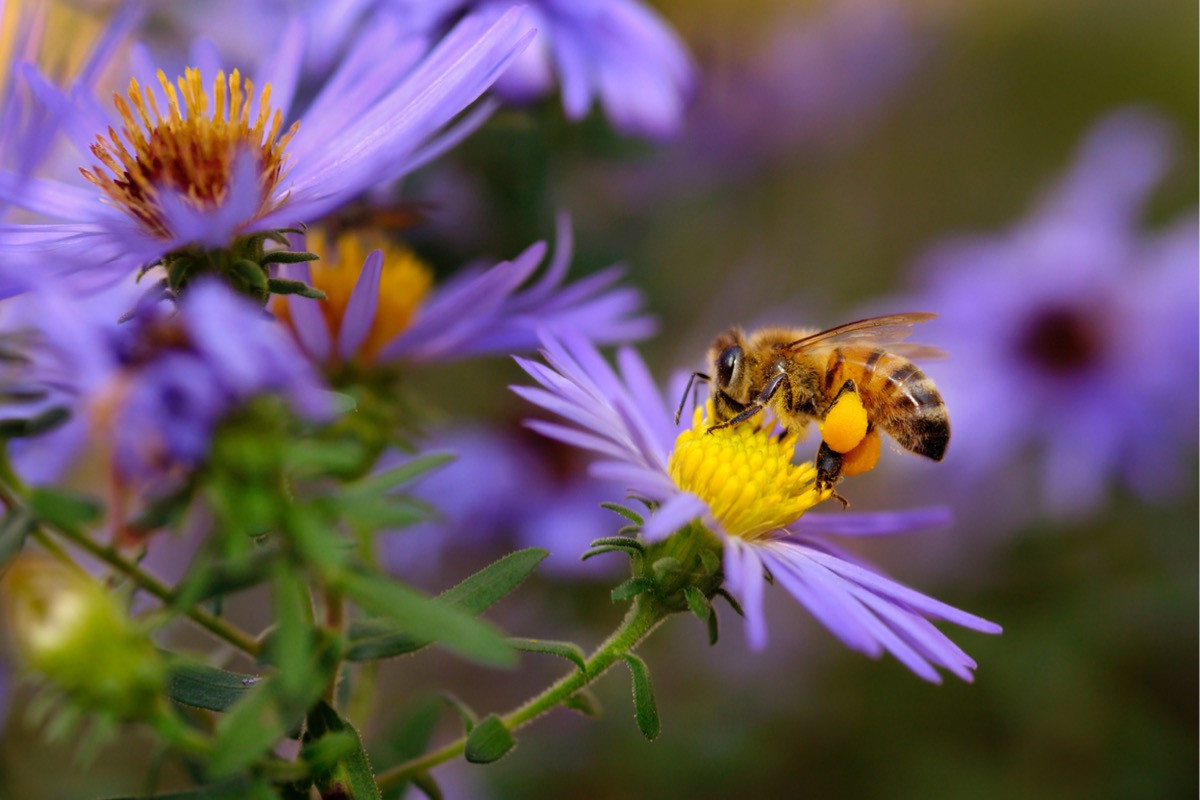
(644,616)
(145,581)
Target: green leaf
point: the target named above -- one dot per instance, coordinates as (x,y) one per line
(631,588)
(209,579)
(427,786)
(584,702)
(349,775)
(698,603)
(251,729)
(195,684)
(285,286)
(399,475)
(624,511)
(60,508)
(489,741)
(372,639)
(645,711)
(567,650)
(14,528)
(427,620)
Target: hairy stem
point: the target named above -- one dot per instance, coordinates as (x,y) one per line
(644,616)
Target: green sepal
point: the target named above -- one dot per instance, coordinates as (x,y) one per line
(584,702)
(342,771)
(627,513)
(571,652)
(666,567)
(488,741)
(733,603)
(383,638)
(629,531)
(288,257)
(201,686)
(251,274)
(23,427)
(469,718)
(645,711)
(287,286)
(714,630)
(425,620)
(631,589)
(599,551)
(619,541)
(14,529)
(64,509)
(698,603)
(711,561)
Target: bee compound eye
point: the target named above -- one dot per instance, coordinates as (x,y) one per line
(727,364)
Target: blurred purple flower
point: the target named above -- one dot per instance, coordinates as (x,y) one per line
(380,115)
(619,52)
(477,312)
(155,388)
(624,419)
(28,130)
(1074,333)
(505,488)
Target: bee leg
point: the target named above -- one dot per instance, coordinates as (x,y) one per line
(829,472)
(696,378)
(760,402)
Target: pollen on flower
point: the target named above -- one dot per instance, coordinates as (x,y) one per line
(402,287)
(191,151)
(745,474)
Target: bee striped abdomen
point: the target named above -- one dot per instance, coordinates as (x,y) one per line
(899,397)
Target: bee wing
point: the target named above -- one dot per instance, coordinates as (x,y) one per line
(887,330)
(915,352)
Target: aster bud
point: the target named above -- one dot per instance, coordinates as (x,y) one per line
(68,627)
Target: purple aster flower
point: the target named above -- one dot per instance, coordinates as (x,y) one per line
(28,42)
(741,484)
(619,52)
(379,307)
(182,168)
(154,389)
(1074,332)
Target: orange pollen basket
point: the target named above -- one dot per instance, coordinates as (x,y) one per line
(190,151)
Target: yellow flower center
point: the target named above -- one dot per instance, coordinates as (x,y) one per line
(402,287)
(191,151)
(745,474)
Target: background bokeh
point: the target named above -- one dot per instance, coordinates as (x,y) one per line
(828,147)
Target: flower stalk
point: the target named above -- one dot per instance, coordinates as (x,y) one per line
(645,614)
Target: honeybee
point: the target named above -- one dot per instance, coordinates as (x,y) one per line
(801,375)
